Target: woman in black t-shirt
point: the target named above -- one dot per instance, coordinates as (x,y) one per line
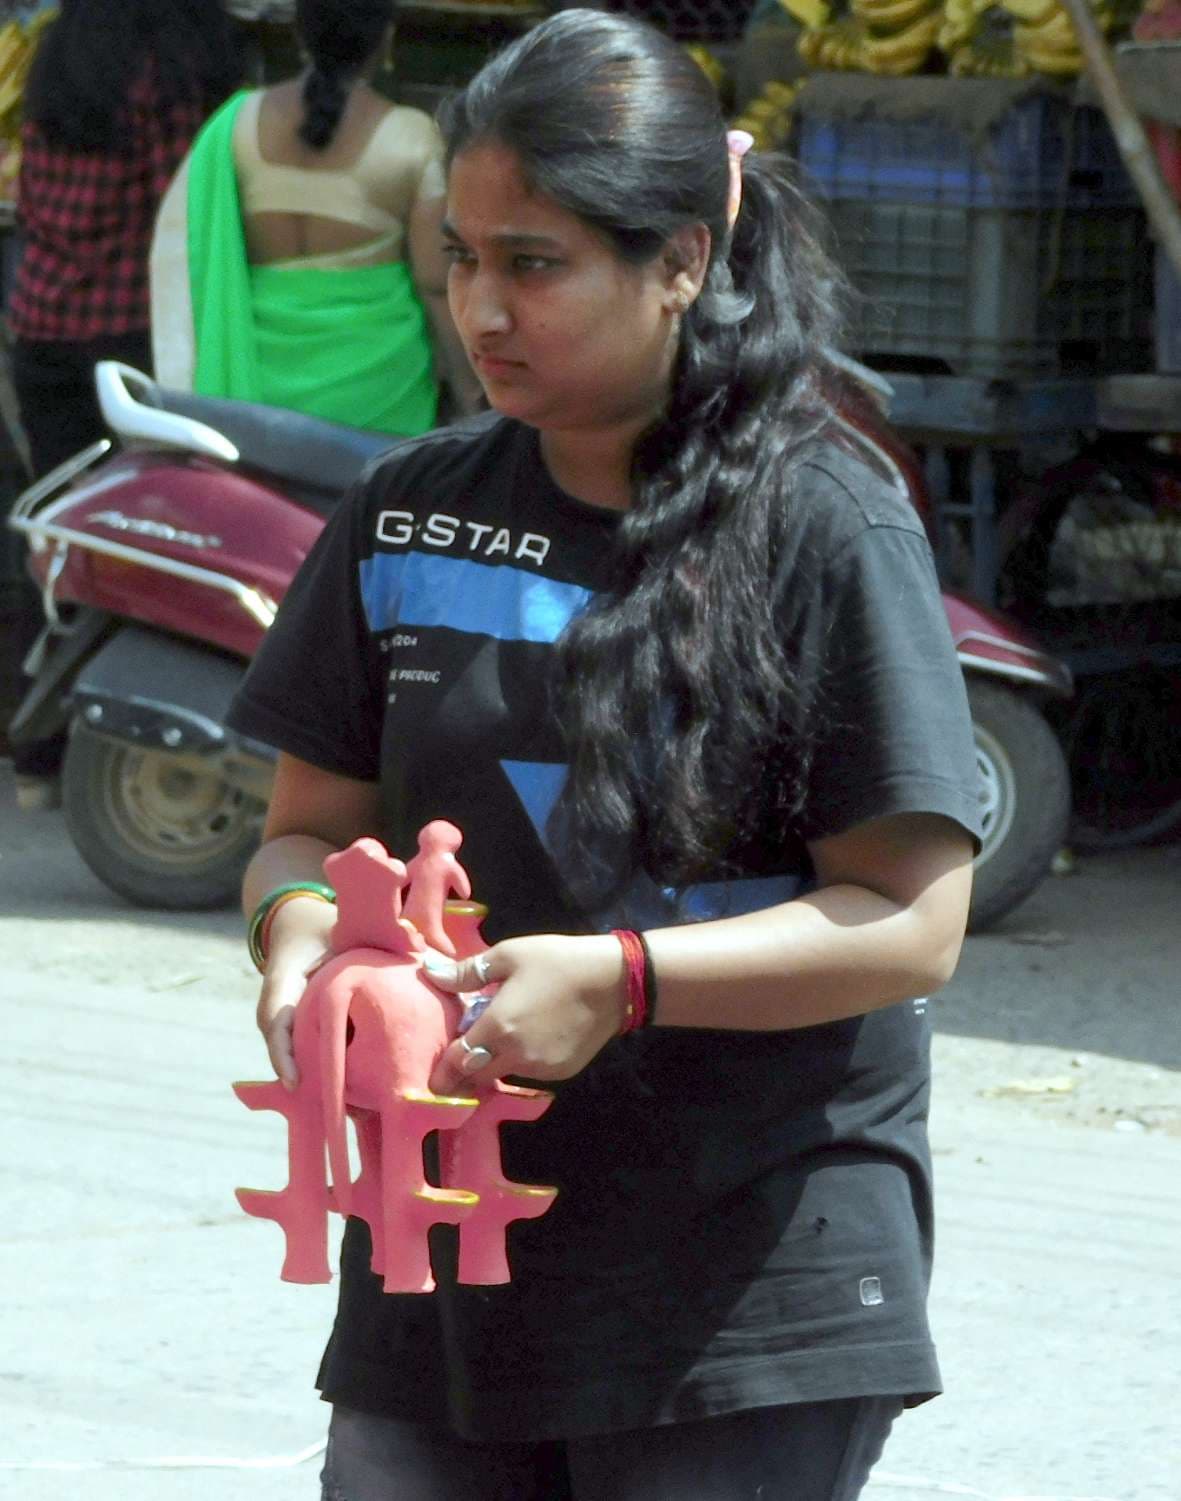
(670,651)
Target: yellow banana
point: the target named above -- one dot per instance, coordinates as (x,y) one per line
(891,15)
(967,62)
(1055,34)
(839,46)
(768,117)
(961,18)
(810,13)
(12,45)
(1032,12)
(1055,64)
(708,64)
(904,52)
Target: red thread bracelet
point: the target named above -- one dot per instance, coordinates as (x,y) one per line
(635,967)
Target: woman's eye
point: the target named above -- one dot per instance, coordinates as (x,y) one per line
(534,263)
(458,254)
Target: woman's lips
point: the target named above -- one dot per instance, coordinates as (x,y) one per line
(494,365)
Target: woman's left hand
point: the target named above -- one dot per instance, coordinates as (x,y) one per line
(559,1001)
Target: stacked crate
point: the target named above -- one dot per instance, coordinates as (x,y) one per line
(1017,251)
(691,20)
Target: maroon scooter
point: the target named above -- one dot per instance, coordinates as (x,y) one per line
(161,555)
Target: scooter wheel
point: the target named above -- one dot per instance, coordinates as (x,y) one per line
(1024,799)
(161,832)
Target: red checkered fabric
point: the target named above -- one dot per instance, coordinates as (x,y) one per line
(88,220)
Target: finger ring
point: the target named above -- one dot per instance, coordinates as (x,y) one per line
(476,1058)
(482,964)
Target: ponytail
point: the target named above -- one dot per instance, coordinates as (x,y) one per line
(707,685)
(325,95)
(340,37)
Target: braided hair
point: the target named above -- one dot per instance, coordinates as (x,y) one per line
(340,37)
(674,689)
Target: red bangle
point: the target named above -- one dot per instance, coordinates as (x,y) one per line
(635,965)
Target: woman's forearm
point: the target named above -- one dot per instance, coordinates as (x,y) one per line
(839,952)
(291,857)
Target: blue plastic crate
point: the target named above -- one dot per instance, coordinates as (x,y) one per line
(690,20)
(999,293)
(1044,152)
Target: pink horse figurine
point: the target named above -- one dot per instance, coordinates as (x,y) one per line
(369,1029)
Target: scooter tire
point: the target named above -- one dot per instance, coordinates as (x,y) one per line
(161,834)
(1025,800)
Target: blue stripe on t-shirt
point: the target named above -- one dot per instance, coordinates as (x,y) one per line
(414,589)
(538,785)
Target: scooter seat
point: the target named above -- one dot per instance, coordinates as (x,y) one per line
(312,459)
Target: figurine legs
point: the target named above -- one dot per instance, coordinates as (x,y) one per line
(302,1207)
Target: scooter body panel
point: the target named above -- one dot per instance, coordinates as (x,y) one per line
(177,543)
(994,644)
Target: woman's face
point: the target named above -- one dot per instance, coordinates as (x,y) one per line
(562,332)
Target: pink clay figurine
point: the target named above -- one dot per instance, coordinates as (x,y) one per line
(369,1029)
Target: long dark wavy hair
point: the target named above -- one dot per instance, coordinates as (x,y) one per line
(92,55)
(675,692)
(340,37)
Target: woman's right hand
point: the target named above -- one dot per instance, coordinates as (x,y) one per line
(297,944)
(312,814)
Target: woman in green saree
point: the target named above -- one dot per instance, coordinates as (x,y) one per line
(297,258)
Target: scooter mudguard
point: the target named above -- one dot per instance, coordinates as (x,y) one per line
(993,644)
(163,694)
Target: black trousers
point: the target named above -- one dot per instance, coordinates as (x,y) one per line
(809,1451)
(54,382)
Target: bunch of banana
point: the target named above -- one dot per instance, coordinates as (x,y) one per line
(1049,44)
(836,45)
(989,49)
(961,21)
(903,51)
(1044,35)
(811,14)
(17,45)
(12,50)
(768,116)
(713,69)
(889,17)
(890,37)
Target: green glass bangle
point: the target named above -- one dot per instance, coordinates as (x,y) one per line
(263,910)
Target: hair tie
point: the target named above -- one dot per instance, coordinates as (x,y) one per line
(738,143)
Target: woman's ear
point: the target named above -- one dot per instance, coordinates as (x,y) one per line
(686,260)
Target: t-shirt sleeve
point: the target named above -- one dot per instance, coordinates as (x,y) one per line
(894,731)
(314,688)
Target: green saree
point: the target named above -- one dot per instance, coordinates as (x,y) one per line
(346,343)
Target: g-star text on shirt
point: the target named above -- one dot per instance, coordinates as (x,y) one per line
(443,531)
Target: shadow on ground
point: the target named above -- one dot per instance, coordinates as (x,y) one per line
(1089,962)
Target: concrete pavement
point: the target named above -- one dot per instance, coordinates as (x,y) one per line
(148,1349)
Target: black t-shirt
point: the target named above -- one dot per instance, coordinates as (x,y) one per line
(743,1218)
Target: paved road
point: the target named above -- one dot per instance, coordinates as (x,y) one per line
(148,1349)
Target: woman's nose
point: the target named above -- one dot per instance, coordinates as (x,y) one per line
(485,309)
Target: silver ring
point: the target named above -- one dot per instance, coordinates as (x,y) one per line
(482,964)
(477,1058)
